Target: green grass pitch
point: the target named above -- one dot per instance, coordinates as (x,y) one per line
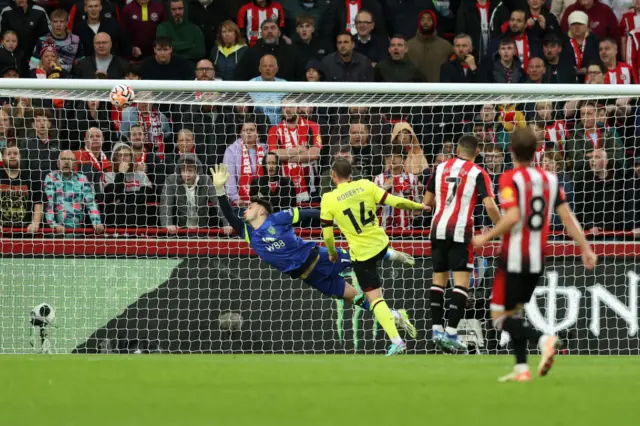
(307,390)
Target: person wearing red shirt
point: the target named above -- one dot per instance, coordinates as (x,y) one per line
(602,20)
(630,24)
(617,72)
(297,142)
(253,14)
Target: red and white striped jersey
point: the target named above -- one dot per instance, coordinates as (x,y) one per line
(404,185)
(537,193)
(457,184)
(556,133)
(621,74)
(251,17)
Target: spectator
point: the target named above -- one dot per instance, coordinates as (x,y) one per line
(297,142)
(209,16)
(10,55)
(252,15)
(555,128)
(583,45)
(462,68)
(602,20)
(41,150)
(265,102)
(617,72)
(401,15)
(505,66)
(20,194)
(68,193)
(164,65)
(538,130)
(341,17)
(92,160)
(589,136)
(49,66)
(186,38)
(395,180)
(83,115)
(366,155)
(102,60)
(554,162)
(7,131)
(244,159)
(205,71)
(290,66)
(79,12)
(230,46)
(345,64)
(536,71)
(126,190)
(140,20)
(28,20)
(396,68)
(326,182)
(96,23)
(559,68)
(187,197)
(146,161)
(185,144)
(481,19)
(404,136)
(371,45)
(277,189)
(603,196)
(559,6)
(494,164)
(526,45)
(67,45)
(154,124)
(628,25)
(309,45)
(427,51)
(315,10)
(315,71)
(540,21)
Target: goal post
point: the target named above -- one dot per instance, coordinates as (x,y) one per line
(141,285)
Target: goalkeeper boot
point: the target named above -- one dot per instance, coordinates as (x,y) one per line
(440,340)
(454,344)
(514,376)
(396,349)
(549,346)
(402,321)
(359,299)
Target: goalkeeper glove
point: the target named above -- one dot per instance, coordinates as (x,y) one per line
(220,176)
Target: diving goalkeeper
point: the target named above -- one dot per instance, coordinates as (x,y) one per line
(272,237)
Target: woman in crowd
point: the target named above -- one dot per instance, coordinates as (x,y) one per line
(230,46)
(125,190)
(49,66)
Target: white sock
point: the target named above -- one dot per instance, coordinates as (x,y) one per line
(521,368)
(541,341)
(451,331)
(438,328)
(396,314)
(396,340)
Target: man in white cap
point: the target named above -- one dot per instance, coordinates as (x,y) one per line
(583,45)
(602,21)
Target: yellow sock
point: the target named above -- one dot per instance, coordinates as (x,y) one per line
(385,318)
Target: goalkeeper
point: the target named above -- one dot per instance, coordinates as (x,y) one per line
(272,237)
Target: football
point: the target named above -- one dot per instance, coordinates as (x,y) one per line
(122,96)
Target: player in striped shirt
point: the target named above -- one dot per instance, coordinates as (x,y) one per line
(528,197)
(453,190)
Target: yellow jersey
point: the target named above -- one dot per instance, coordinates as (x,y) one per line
(352,206)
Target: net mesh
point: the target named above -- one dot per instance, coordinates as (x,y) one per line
(133,258)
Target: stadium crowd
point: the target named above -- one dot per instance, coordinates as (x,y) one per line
(76,164)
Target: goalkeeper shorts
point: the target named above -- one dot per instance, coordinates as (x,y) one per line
(326,277)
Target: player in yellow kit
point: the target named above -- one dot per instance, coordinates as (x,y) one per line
(352,205)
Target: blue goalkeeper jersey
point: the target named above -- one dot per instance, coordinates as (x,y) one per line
(276,242)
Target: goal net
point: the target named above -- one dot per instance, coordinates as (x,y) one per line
(112,240)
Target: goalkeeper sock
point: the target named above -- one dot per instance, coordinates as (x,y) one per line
(385,318)
(436,299)
(457,307)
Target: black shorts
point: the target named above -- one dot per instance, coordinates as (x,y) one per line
(367,272)
(511,289)
(447,255)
